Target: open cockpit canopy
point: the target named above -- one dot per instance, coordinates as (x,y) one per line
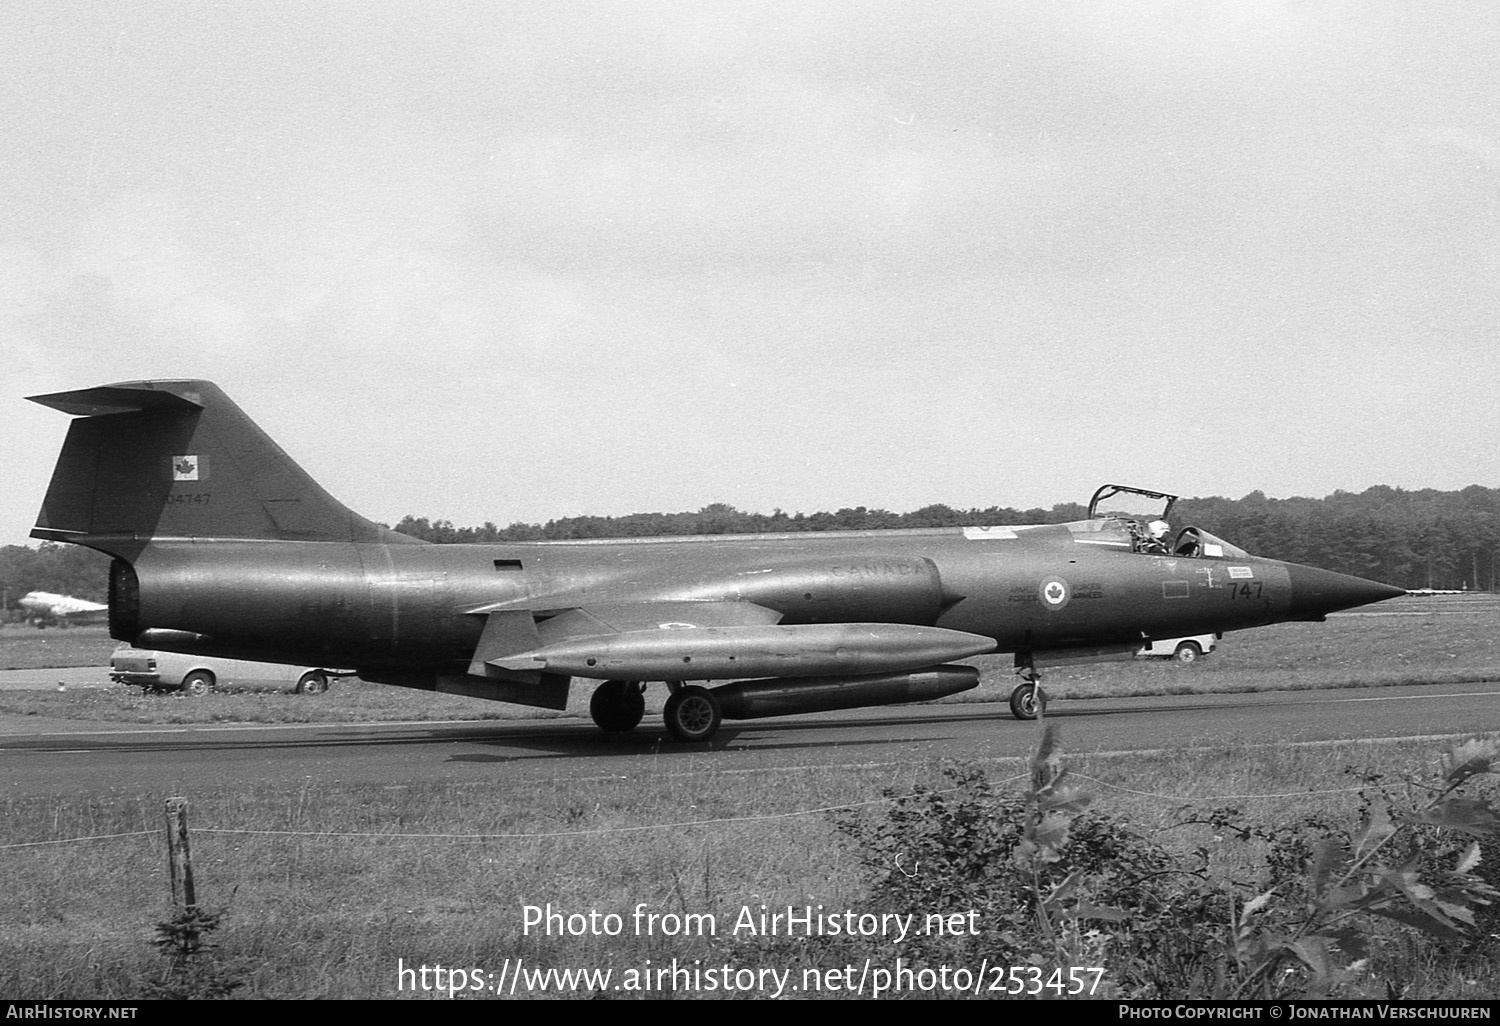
(1127,518)
(1127,503)
(1137,519)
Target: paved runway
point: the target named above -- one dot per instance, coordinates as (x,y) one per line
(150,760)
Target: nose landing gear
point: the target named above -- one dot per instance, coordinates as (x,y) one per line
(1028,700)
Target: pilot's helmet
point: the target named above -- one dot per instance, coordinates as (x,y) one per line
(1158,528)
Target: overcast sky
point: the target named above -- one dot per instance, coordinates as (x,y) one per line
(517,261)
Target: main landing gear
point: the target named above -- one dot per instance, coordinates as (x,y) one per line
(692,713)
(618,705)
(1028,700)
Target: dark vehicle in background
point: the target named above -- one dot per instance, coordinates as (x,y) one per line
(198,675)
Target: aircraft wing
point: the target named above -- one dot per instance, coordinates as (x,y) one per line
(512,637)
(625,617)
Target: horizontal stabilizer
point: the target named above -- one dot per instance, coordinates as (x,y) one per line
(124,398)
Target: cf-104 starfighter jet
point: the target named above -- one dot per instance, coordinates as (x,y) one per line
(224,546)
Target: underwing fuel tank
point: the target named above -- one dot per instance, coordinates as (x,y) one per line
(778,650)
(753,699)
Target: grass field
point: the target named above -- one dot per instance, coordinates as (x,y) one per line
(23,647)
(328,887)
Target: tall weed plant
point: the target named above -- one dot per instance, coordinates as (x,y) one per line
(1368,908)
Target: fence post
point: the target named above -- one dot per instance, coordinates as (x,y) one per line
(179,855)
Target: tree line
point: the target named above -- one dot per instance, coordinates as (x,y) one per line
(64,569)
(1412,539)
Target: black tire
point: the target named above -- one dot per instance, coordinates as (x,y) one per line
(1027,702)
(199,682)
(692,714)
(617,706)
(1188,652)
(313,682)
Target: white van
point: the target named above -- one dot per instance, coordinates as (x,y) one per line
(1184,650)
(198,675)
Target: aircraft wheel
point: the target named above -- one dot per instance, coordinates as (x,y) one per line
(199,682)
(312,683)
(1027,702)
(1188,652)
(692,714)
(617,706)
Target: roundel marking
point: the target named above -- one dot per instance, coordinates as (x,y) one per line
(1054,592)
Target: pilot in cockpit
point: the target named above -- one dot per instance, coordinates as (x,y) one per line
(1156,536)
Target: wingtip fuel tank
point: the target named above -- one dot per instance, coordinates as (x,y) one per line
(732,653)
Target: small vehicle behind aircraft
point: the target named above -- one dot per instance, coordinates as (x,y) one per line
(198,675)
(1182,650)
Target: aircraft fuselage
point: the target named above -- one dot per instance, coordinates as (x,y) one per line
(419,606)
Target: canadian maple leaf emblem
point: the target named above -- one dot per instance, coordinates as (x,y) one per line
(185,465)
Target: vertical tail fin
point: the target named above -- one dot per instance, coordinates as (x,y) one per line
(178,460)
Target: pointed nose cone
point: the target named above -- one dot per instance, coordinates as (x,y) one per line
(1316,593)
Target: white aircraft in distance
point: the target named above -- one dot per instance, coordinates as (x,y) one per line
(43,608)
